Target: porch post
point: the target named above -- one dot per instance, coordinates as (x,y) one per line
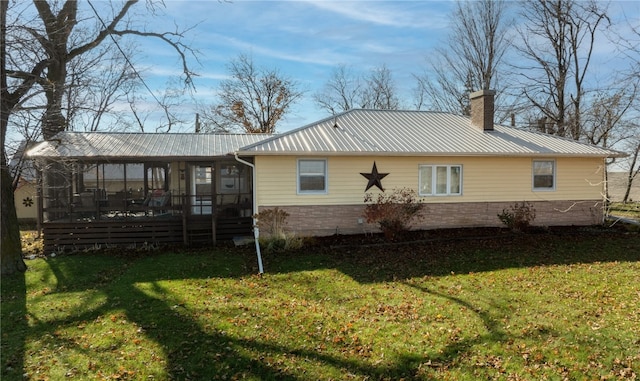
(214,201)
(185,232)
(39,203)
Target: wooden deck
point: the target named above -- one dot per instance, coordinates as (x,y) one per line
(172,230)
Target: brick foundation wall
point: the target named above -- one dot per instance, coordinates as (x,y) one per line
(344,219)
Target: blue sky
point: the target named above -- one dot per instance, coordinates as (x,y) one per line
(306,40)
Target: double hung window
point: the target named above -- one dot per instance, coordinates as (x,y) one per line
(312,176)
(544,175)
(440,180)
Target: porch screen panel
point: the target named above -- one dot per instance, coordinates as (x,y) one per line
(202,177)
(157,178)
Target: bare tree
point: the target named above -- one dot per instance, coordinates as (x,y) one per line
(633,166)
(629,47)
(96,81)
(10,245)
(557,41)
(39,57)
(165,118)
(346,90)
(95,85)
(440,90)
(341,92)
(607,121)
(471,60)
(253,100)
(380,91)
(55,44)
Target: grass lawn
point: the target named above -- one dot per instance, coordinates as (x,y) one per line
(514,307)
(630,210)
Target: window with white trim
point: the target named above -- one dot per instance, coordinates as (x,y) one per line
(312,176)
(544,175)
(440,180)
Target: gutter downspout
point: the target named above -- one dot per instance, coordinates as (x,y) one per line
(256,231)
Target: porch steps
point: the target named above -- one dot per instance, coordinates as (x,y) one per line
(199,230)
(229,227)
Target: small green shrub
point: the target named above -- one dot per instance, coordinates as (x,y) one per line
(272,223)
(519,216)
(394,212)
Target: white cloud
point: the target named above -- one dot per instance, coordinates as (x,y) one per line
(387,13)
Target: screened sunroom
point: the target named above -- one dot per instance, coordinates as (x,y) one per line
(134,189)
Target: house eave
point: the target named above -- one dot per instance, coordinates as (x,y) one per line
(128,159)
(438,154)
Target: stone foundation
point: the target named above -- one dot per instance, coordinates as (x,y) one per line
(325,220)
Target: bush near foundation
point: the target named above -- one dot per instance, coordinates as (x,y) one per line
(518,217)
(394,212)
(274,237)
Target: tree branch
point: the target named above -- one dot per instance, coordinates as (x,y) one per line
(108,30)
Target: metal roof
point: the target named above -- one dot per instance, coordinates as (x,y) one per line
(354,132)
(123,146)
(397,133)
(19,162)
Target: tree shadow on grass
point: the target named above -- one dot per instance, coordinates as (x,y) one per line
(13,325)
(460,254)
(494,333)
(190,351)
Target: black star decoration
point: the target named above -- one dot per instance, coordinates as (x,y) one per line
(374,178)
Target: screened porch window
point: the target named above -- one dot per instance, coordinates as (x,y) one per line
(156,177)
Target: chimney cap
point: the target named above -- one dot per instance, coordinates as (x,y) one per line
(481,93)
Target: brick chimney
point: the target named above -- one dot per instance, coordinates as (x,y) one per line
(482,109)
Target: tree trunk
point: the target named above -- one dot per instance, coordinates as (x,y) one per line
(627,191)
(10,245)
(631,174)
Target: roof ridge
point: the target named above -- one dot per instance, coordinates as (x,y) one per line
(164,133)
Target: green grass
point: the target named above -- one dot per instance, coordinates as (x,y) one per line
(523,307)
(630,210)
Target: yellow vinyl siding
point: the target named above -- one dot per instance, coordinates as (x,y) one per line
(276,180)
(483,179)
(582,178)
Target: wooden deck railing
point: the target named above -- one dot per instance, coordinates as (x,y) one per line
(135,208)
(132,224)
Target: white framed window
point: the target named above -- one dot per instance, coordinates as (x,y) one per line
(440,180)
(312,176)
(544,175)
